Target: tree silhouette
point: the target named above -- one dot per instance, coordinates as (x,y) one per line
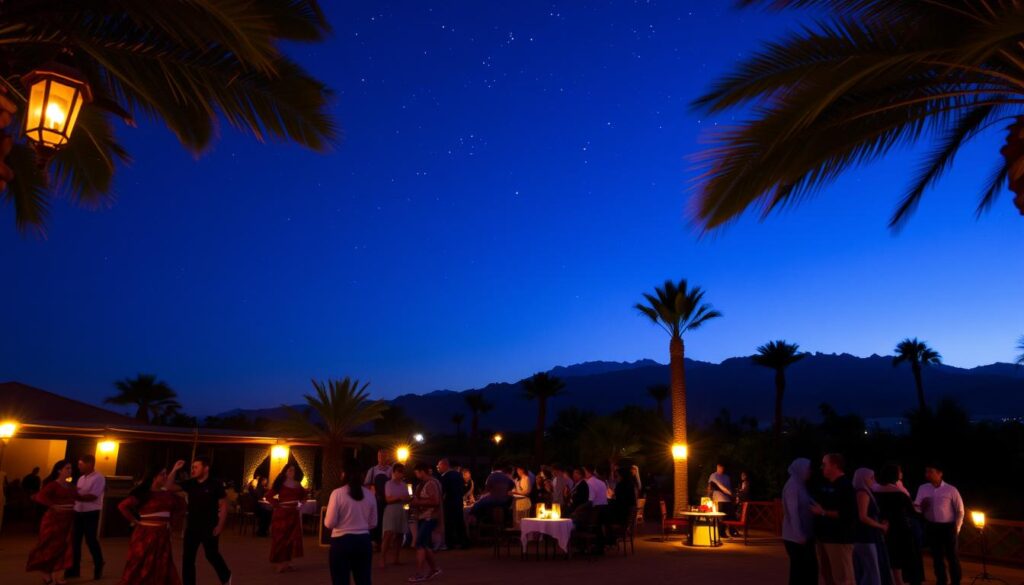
(917,354)
(153,399)
(778,355)
(541,387)
(660,393)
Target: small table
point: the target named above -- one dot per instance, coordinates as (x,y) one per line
(560,530)
(704,528)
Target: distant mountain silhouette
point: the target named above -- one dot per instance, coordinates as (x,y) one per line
(868,386)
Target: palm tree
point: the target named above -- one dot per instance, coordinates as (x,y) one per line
(332,414)
(188,64)
(541,387)
(778,355)
(477,405)
(457,419)
(154,399)
(864,77)
(1020,347)
(660,393)
(917,354)
(677,308)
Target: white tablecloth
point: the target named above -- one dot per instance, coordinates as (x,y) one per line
(560,530)
(308,508)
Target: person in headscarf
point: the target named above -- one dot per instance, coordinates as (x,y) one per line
(798,525)
(870,558)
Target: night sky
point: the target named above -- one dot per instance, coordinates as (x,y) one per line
(512,177)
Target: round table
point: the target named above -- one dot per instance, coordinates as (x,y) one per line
(704,528)
(560,530)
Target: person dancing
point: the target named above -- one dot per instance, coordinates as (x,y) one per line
(286,523)
(52,553)
(150,510)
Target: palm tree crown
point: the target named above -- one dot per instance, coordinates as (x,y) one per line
(866,76)
(660,393)
(778,355)
(154,399)
(917,354)
(677,308)
(542,386)
(189,64)
(1020,347)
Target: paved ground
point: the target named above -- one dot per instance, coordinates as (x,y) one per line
(764,562)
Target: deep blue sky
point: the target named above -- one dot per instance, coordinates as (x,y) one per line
(512,177)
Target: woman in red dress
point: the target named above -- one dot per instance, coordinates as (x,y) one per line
(52,554)
(150,511)
(286,523)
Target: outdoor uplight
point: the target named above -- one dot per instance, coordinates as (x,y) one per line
(497,438)
(55,97)
(106,447)
(978,518)
(7,429)
(418,437)
(402,454)
(279,452)
(679,452)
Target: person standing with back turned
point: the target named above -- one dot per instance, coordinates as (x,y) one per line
(943,511)
(207,513)
(836,511)
(91,486)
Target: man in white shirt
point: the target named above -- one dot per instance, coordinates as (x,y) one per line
(943,511)
(91,485)
(598,488)
(720,490)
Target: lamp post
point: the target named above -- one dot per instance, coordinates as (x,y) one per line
(978,519)
(7,430)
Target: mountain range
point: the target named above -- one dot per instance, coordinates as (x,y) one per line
(869,386)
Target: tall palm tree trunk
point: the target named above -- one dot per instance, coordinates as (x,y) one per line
(142,414)
(780,391)
(681,497)
(538,439)
(474,429)
(330,471)
(916,368)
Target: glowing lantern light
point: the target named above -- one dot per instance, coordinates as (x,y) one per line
(55,98)
(7,429)
(978,518)
(555,512)
(402,454)
(279,452)
(679,452)
(497,438)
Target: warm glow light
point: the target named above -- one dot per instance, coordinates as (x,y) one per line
(542,511)
(55,98)
(402,454)
(679,452)
(497,438)
(979,519)
(106,447)
(305,482)
(7,429)
(418,437)
(278,452)
(556,512)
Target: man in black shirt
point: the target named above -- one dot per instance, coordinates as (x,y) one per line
(835,513)
(451,504)
(207,513)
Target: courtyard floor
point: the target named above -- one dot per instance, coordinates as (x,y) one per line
(763,562)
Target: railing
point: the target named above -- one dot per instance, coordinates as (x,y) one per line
(765,516)
(1003,541)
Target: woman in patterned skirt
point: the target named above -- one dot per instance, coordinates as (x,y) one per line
(52,554)
(150,510)
(286,523)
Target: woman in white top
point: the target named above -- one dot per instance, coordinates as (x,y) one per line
(396,521)
(351,515)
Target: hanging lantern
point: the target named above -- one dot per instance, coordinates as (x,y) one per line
(56,94)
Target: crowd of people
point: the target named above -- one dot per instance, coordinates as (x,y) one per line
(866,529)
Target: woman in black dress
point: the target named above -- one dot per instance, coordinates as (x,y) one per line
(897,509)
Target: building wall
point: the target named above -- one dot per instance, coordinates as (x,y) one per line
(21,455)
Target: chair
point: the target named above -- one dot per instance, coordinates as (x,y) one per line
(623,532)
(677,525)
(246,513)
(741,523)
(587,535)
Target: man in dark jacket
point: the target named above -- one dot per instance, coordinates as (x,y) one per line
(451,502)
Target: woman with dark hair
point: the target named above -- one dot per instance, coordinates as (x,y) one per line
(286,523)
(52,553)
(396,522)
(351,514)
(150,509)
(898,510)
(870,557)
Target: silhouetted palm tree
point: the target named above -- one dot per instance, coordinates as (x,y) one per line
(541,387)
(864,77)
(478,405)
(1020,347)
(189,65)
(457,419)
(154,400)
(677,308)
(660,393)
(778,355)
(332,415)
(917,354)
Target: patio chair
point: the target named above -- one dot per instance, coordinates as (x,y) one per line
(675,525)
(246,513)
(587,535)
(742,523)
(622,532)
